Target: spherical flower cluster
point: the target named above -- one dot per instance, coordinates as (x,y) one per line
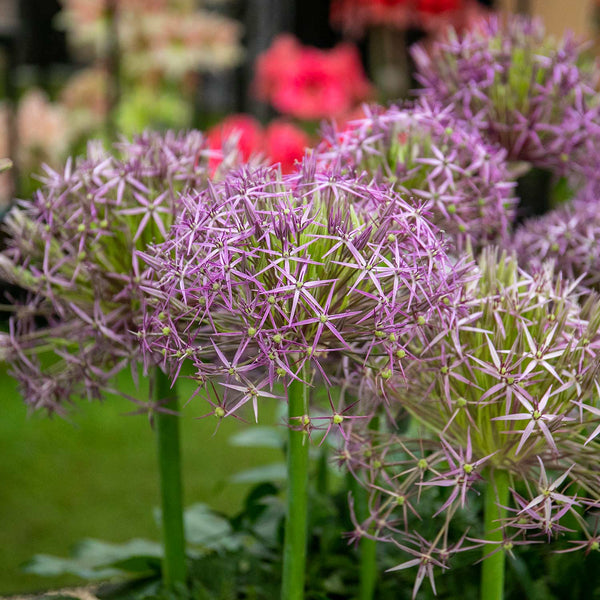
(508,394)
(568,235)
(279,143)
(423,152)
(72,248)
(267,276)
(308,83)
(355,16)
(523,90)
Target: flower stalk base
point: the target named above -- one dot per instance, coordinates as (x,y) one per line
(367,547)
(493,568)
(294,551)
(169,462)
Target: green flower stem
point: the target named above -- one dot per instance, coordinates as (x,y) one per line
(496,497)
(367,547)
(323,471)
(169,462)
(294,549)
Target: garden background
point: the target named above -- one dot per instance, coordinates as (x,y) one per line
(62,479)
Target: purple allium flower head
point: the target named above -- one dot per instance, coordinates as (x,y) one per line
(512,388)
(522,89)
(72,248)
(423,152)
(569,235)
(265,274)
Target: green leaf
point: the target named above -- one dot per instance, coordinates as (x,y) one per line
(204,527)
(273,472)
(52,566)
(258,437)
(96,559)
(101,553)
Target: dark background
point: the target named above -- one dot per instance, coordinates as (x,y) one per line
(37,43)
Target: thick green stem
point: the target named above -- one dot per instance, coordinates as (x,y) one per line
(294,550)
(495,499)
(367,547)
(169,462)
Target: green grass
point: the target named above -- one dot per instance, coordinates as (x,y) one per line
(96,476)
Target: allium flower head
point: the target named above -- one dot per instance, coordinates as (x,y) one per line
(522,89)
(427,155)
(265,274)
(568,235)
(72,249)
(511,389)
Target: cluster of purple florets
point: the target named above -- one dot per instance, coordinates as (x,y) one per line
(359,265)
(568,235)
(529,94)
(72,248)
(423,152)
(512,389)
(266,275)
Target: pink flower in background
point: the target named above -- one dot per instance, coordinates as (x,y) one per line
(245,129)
(271,64)
(437,7)
(308,83)
(42,129)
(280,143)
(344,60)
(355,16)
(310,89)
(285,144)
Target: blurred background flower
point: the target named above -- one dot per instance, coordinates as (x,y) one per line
(309,83)
(356,16)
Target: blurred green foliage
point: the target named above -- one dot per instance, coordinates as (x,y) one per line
(96,476)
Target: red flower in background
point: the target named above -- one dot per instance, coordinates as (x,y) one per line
(344,61)
(281,142)
(309,83)
(436,7)
(247,131)
(285,144)
(271,64)
(354,16)
(309,89)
